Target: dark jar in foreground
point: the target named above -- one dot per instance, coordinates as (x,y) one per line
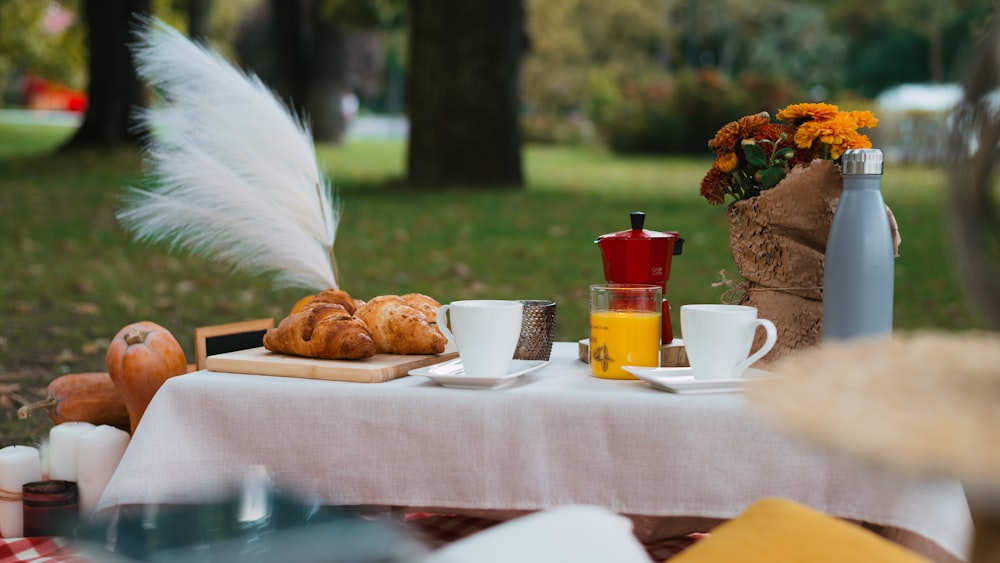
(51,508)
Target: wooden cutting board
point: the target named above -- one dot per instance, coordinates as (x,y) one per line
(376,369)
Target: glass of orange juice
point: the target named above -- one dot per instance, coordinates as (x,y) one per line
(624,328)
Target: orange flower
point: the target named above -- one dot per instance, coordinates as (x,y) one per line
(714,186)
(735,131)
(773,131)
(797,112)
(752,154)
(727,162)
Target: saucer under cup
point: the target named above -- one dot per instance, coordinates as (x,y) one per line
(485,332)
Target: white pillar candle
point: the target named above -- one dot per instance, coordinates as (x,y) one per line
(100,450)
(63,444)
(18,465)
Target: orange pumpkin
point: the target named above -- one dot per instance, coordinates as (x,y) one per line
(140,358)
(82,397)
(300,304)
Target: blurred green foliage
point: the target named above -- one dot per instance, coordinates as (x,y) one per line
(25,48)
(680,112)
(662,75)
(638,75)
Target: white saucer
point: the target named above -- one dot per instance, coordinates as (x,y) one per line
(452,374)
(681,380)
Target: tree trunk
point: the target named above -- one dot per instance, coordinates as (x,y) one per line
(287,77)
(936,55)
(198,12)
(327,75)
(465,56)
(114,89)
(310,68)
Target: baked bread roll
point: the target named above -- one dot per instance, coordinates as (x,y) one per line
(426,305)
(321,330)
(338,297)
(398,328)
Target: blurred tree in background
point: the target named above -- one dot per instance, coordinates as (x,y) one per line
(36,39)
(463,93)
(113,88)
(311,52)
(198,18)
(582,53)
(796,44)
(892,42)
(662,75)
(639,75)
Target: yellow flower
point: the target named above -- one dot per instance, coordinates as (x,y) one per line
(807,111)
(807,133)
(828,131)
(863,119)
(727,162)
(838,134)
(852,140)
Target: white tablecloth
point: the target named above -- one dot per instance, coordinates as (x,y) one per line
(556,437)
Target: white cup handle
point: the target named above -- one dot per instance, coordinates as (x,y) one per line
(769,342)
(442,322)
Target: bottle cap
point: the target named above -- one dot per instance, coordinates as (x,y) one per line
(861,161)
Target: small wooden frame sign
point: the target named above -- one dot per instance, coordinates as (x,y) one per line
(219,339)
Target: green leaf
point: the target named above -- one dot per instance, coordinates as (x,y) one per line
(755,155)
(771,176)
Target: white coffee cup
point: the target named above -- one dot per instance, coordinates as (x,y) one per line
(484,331)
(718,338)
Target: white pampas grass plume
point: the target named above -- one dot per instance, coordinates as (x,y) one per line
(235,172)
(42,445)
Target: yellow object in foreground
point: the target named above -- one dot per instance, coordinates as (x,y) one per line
(775,530)
(619,339)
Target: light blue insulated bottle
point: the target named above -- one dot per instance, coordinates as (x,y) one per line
(858,269)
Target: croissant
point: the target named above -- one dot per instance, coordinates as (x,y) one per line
(321,330)
(339,297)
(398,328)
(426,305)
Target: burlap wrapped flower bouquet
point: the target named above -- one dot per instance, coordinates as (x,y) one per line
(784,179)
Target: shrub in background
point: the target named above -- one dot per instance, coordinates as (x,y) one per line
(677,113)
(554,128)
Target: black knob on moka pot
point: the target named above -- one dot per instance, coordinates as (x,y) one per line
(638,219)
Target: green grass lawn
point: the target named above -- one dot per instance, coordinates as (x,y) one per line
(72,277)
(27,140)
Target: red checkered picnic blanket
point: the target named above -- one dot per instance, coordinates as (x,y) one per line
(39,550)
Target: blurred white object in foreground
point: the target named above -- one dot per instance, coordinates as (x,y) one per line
(578,533)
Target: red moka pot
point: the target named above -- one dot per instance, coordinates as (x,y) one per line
(641,256)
